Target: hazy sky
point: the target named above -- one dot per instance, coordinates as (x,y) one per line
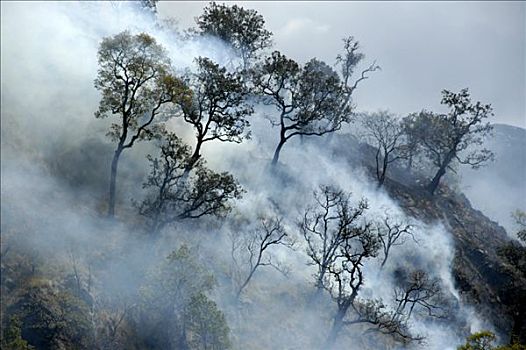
(422,47)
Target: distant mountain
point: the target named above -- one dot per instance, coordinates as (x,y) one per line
(500,187)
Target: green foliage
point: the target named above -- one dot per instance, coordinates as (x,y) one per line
(310,100)
(479,341)
(53,317)
(180,190)
(243,29)
(136,85)
(445,138)
(134,79)
(206,325)
(175,312)
(150,6)
(310,97)
(484,341)
(12,337)
(217,108)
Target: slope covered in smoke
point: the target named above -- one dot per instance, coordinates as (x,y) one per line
(481,275)
(108,284)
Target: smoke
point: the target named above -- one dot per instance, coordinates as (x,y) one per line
(55,168)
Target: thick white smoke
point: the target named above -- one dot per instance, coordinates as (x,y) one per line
(49,62)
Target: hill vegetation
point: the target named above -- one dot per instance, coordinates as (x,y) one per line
(341,230)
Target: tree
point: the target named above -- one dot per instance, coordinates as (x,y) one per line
(173,312)
(479,341)
(411,136)
(308,99)
(112,314)
(254,250)
(346,274)
(520,220)
(484,341)
(416,292)
(392,234)
(207,327)
(12,336)
(348,62)
(445,137)
(177,193)
(149,5)
(135,81)
(51,317)
(339,242)
(327,226)
(382,320)
(244,30)
(384,132)
(217,109)
(311,100)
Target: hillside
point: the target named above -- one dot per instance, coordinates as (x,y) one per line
(199,189)
(482,276)
(503,176)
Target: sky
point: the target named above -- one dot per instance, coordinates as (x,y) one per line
(422,47)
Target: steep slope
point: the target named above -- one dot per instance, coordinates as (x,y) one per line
(483,278)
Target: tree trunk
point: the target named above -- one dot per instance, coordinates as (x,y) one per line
(194,158)
(436,180)
(277,151)
(385,164)
(409,166)
(337,324)
(113,181)
(240,290)
(320,278)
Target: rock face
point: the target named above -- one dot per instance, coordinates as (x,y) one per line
(483,277)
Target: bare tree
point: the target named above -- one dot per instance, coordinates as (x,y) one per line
(417,292)
(346,275)
(421,293)
(392,233)
(378,318)
(217,109)
(254,250)
(327,226)
(178,193)
(445,137)
(339,242)
(384,132)
(135,81)
(348,62)
(112,313)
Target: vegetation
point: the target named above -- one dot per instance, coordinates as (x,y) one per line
(135,81)
(181,188)
(242,29)
(446,137)
(484,341)
(128,290)
(217,109)
(312,100)
(385,133)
